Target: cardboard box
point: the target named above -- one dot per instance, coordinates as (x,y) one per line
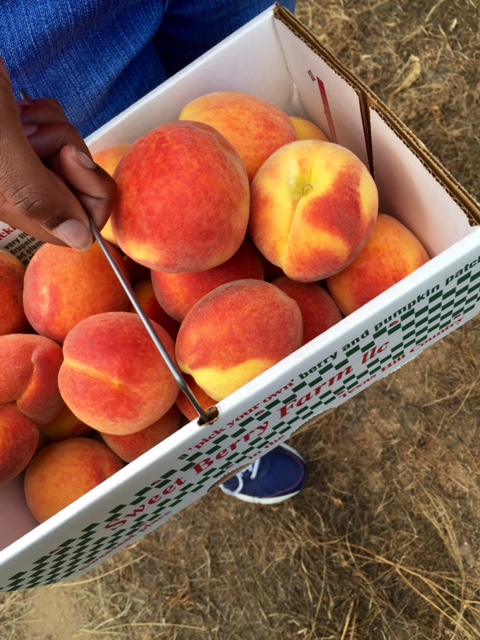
(277,58)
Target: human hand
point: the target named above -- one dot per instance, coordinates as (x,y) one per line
(48,181)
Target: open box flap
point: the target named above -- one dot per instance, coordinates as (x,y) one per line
(371,109)
(410,191)
(337,108)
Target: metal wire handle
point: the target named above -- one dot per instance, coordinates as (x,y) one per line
(204,415)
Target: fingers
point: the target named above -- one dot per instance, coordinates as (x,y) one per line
(52,137)
(38,202)
(47,139)
(93,186)
(40,110)
(45,124)
(47,188)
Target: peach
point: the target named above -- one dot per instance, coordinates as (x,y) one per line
(64,471)
(319,310)
(236,332)
(307,130)
(108,159)
(184,404)
(107,232)
(113,377)
(64,286)
(145,294)
(18,442)
(29,369)
(65,425)
(391,254)
(313,208)
(183,199)
(12,314)
(178,292)
(255,127)
(133,445)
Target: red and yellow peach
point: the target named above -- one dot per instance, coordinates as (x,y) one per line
(254,126)
(64,286)
(183,199)
(64,471)
(392,253)
(113,378)
(28,375)
(307,130)
(236,332)
(131,446)
(178,292)
(12,314)
(19,438)
(319,310)
(313,208)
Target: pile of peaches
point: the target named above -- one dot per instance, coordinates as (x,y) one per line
(244,232)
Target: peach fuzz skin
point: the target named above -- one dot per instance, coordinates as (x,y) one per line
(146,297)
(130,447)
(182,199)
(319,310)
(12,314)
(235,333)
(63,286)
(108,159)
(19,438)
(65,425)
(391,254)
(29,369)
(113,378)
(313,208)
(178,292)
(64,471)
(255,127)
(307,130)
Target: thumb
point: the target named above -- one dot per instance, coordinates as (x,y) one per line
(32,197)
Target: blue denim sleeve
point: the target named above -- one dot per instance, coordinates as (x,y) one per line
(191,27)
(99,56)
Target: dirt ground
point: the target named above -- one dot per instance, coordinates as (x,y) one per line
(384,543)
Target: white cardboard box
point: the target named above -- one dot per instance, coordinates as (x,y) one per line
(274,57)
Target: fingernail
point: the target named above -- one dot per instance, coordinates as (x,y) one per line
(83,159)
(20,104)
(24,95)
(74,233)
(29,129)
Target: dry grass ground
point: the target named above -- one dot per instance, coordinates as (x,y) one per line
(384,543)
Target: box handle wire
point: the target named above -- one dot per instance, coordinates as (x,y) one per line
(205,416)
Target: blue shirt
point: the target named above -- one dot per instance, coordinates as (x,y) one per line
(99,56)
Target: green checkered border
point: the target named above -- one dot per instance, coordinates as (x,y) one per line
(431,315)
(74,554)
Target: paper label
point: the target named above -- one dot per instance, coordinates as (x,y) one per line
(18,243)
